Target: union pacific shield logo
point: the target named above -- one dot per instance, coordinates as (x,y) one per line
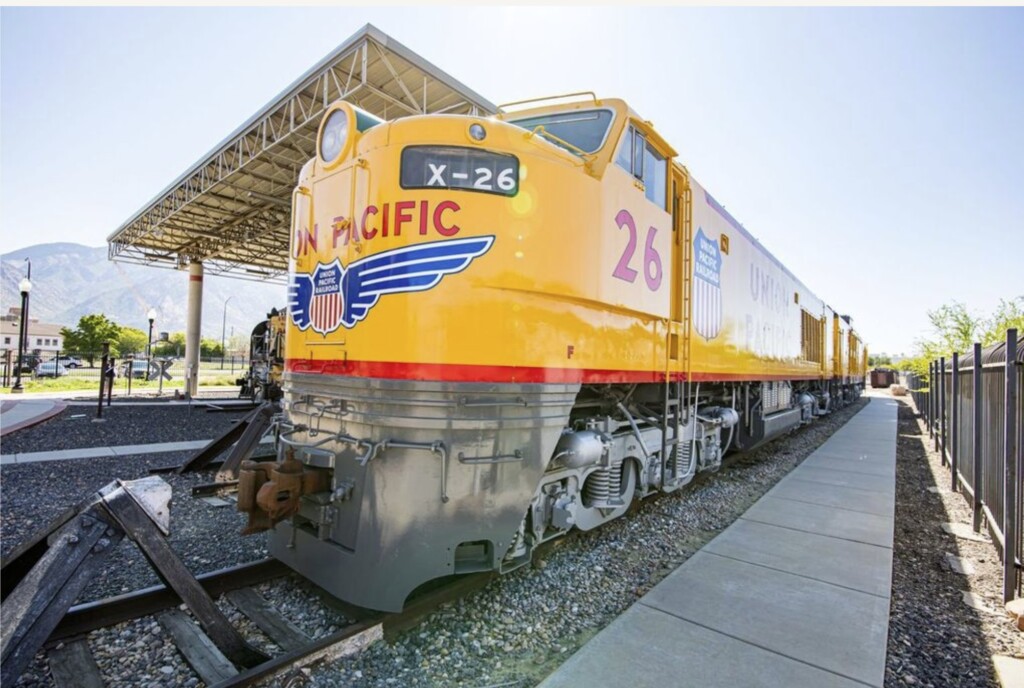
(334,295)
(707,286)
(325,306)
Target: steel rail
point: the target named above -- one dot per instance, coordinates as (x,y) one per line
(374,628)
(90,616)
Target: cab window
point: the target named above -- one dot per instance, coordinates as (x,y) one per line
(584,129)
(638,157)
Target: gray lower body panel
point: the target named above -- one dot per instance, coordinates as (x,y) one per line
(393,530)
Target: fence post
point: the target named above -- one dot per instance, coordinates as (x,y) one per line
(931,397)
(1010,472)
(933,394)
(110,380)
(954,430)
(103,378)
(978,482)
(942,410)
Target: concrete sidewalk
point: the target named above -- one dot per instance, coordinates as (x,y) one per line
(16,414)
(101,452)
(795,593)
(19,411)
(119,392)
(218,402)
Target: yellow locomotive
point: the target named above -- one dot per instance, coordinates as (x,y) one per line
(262,382)
(500,329)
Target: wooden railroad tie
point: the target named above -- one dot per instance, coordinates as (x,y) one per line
(74,549)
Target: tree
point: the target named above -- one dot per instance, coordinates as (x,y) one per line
(175,346)
(130,341)
(238,345)
(879,360)
(87,339)
(956,329)
(210,348)
(1008,315)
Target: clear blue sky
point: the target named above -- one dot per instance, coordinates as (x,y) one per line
(877,152)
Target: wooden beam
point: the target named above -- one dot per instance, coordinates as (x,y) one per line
(73,666)
(134,520)
(270,620)
(197,649)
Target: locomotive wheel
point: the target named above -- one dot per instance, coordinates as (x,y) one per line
(588,518)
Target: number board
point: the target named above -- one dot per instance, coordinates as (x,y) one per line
(453,167)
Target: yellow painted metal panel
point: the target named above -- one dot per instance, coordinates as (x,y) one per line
(568,279)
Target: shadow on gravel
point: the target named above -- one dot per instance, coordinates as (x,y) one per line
(934,638)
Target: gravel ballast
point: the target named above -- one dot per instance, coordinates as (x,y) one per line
(73,428)
(33,494)
(514,632)
(935,640)
(206,538)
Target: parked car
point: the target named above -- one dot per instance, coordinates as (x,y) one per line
(70,362)
(140,369)
(50,369)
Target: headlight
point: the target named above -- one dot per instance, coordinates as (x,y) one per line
(333,136)
(339,132)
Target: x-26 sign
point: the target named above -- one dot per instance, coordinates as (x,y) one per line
(448,167)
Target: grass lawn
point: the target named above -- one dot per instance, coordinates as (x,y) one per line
(71,383)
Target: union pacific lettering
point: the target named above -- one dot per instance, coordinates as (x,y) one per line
(417,218)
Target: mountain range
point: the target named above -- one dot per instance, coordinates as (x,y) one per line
(70,280)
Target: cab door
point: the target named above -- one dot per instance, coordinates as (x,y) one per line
(679,306)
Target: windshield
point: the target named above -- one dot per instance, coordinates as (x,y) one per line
(585,129)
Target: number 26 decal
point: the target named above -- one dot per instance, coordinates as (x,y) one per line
(652,259)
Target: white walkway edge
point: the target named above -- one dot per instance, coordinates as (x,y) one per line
(101,452)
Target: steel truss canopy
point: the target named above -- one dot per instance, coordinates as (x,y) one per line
(231,210)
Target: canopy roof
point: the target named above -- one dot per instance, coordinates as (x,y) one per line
(231,209)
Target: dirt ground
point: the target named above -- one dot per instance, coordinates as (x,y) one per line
(935,639)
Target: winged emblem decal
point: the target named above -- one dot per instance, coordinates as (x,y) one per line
(333,295)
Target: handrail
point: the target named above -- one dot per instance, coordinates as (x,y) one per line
(539,130)
(593,97)
(309,223)
(517,455)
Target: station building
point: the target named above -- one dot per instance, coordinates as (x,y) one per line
(42,337)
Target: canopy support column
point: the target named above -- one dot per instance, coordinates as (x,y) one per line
(193,327)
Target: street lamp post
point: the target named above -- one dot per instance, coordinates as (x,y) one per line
(223,328)
(149,340)
(24,286)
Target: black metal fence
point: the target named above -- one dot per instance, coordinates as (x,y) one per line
(975,416)
(83,366)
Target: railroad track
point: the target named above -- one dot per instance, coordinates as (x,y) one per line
(72,664)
